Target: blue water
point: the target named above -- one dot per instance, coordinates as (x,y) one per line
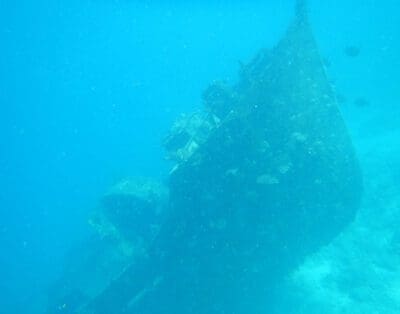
(89,88)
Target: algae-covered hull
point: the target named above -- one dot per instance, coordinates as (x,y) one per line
(266,176)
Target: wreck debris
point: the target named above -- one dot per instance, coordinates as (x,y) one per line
(124,224)
(134,206)
(187,134)
(219,99)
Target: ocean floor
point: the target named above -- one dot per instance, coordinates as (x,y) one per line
(360,271)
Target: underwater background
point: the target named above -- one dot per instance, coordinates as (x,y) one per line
(88,90)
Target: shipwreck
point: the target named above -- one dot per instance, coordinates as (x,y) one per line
(264,175)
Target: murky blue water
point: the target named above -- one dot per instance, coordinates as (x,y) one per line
(88,89)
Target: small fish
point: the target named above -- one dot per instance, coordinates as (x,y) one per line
(352,51)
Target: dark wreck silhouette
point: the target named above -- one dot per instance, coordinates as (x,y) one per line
(265,175)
